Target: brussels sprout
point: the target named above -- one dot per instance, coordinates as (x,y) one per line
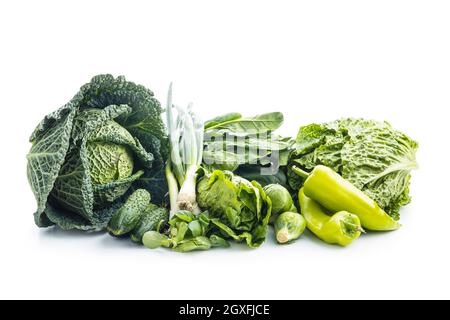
(289,226)
(281,199)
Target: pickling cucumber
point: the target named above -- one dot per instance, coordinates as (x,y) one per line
(129,215)
(150,219)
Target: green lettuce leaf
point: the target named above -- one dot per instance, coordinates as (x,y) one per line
(240,209)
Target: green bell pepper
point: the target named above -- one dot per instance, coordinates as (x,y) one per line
(337,194)
(341,228)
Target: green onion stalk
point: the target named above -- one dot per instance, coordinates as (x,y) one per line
(186,151)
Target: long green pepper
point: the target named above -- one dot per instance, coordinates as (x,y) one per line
(337,194)
(341,228)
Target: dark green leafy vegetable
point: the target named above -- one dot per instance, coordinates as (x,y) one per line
(237,126)
(187,232)
(235,209)
(222,119)
(232,140)
(87,155)
(94,161)
(372,155)
(128,216)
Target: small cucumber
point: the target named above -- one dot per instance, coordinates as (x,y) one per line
(128,216)
(150,219)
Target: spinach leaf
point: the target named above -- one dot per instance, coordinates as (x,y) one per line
(231,140)
(221,119)
(258,124)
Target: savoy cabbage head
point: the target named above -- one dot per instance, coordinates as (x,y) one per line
(89,154)
(372,155)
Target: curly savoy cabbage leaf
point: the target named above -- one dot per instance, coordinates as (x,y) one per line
(86,156)
(372,155)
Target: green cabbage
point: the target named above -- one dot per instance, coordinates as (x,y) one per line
(372,155)
(238,208)
(90,154)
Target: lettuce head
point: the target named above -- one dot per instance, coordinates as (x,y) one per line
(238,208)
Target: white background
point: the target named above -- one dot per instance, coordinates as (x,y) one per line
(313,60)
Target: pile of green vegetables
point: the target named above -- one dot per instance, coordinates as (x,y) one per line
(108,161)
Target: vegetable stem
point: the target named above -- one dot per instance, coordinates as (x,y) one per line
(354,226)
(283,235)
(187,197)
(300,172)
(173,189)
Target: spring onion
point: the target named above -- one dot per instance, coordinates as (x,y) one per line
(185,131)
